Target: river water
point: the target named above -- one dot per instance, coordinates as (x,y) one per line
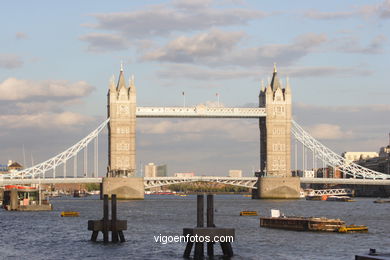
(45,235)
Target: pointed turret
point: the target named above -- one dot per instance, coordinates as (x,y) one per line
(132,85)
(112,83)
(275,83)
(121,81)
(262,86)
(288,89)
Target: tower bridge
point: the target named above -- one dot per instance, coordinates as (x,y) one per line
(276,129)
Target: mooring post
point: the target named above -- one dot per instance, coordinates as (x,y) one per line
(199,248)
(200,211)
(210,222)
(114,234)
(105,219)
(211,231)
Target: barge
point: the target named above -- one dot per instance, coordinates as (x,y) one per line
(24,198)
(308,224)
(302,223)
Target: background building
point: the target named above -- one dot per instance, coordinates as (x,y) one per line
(308,174)
(152,170)
(235,173)
(355,156)
(14,166)
(161,171)
(381,163)
(184,174)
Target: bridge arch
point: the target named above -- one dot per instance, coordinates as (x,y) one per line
(246,182)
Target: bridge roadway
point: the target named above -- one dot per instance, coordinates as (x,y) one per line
(150,182)
(201,111)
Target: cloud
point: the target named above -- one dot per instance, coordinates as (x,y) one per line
(186,71)
(217,48)
(190,49)
(306,72)
(163,20)
(10,61)
(21,36)
(301,46)
(55,106)
(352,45)
(329,132)
(351,128)
(192,4)
(44,120)
(315,14)
(381,10)
(17,89)
(102,42)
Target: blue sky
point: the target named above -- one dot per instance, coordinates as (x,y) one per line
(56,60)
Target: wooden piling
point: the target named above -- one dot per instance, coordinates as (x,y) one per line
(114,231)
(188,249)
(200,211)
(106,225)
(199,249)
(210,210)
(211,231)
(210,222)
(105,219)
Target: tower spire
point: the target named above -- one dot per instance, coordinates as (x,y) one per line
(121,80)
(275,84)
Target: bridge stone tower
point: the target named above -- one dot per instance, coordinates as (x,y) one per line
(121,170)
(121,129)
(275,142)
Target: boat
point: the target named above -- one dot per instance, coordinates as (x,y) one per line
(353,228)
(381,201)
(164,193)
(302,223)
(320,224)
(339,198)
(248,213)
(24,198)
(70,214)
(80,193)
(313,197)
(248,196)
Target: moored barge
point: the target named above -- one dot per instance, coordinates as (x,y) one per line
(302,223)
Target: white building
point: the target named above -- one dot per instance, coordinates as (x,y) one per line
(150,170)
(235,173)
(184,174)
(308,174)
(355,156)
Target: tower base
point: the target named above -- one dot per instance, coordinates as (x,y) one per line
(277,188)
(125,188)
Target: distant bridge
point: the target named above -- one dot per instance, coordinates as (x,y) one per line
(152,182)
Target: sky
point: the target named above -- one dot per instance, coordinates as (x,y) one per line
(57,58)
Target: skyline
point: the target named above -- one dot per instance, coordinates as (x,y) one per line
(335,55)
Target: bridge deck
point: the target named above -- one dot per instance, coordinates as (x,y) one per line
(201,112)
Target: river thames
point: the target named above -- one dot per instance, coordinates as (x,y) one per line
(46,235)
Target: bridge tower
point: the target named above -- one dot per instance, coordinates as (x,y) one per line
(121,171)
(275,142)
(121,110)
